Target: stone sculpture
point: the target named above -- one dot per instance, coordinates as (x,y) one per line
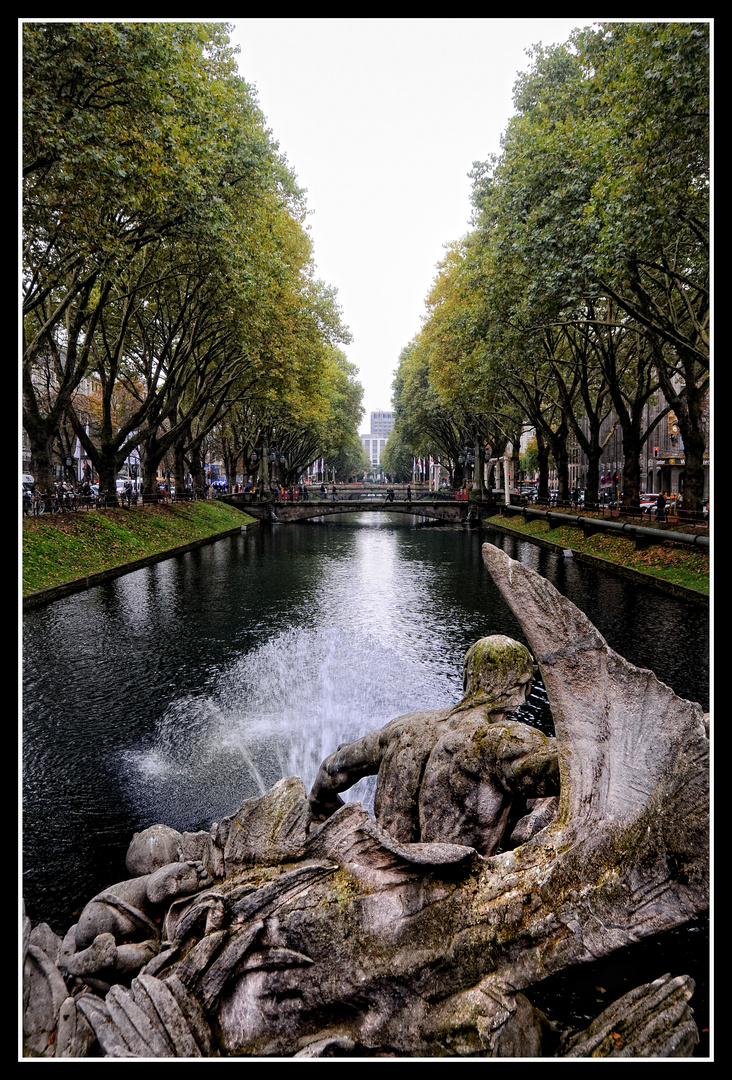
(453,775)
(306,937)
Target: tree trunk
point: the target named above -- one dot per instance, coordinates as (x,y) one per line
(542,454)
(592,485)
(41,460)
(198,476)
(149,474)
(177,480)
(107,465)
(516,460)
(632,444)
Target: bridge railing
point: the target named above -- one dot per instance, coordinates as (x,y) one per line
(370,497)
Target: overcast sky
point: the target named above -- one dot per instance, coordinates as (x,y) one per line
(381,120)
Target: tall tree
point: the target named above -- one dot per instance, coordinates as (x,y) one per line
(118,141)
(601,191)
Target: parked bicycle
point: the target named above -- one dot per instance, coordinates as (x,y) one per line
(38,503)
(32,504)
(63,501)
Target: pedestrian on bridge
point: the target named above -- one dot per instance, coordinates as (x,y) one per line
(409,493)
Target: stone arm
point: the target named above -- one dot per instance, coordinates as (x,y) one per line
(342,769)
(530,763)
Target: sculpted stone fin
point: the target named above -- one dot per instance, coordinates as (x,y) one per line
(622,733)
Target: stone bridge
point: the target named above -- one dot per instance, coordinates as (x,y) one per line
(436,508)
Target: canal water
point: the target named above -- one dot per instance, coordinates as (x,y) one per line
(174,692)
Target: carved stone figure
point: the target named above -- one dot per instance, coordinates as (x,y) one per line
(117,930)
(453,774)
(338,938)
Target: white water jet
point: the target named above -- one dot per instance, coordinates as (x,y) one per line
(278,711)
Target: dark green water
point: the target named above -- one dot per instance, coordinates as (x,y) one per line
(175,692)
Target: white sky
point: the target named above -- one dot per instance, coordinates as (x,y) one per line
(381,121)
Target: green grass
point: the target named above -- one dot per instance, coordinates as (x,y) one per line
(61,548)
(687,567)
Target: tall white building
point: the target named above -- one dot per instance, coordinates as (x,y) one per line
(374,441)
(374,447)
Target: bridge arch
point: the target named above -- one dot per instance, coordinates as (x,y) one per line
(437,509)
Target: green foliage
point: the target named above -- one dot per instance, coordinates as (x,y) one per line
(584,284)
(165,250)
(397,457)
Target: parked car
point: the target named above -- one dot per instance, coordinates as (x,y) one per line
(651,507)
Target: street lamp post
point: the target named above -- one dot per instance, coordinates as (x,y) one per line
(269,459)
(466,458)
(475,458)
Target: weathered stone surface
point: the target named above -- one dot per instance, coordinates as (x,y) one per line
(100,956)
(329,935)
(152,848)
(43,937)
(75,1035)
(130,910)
(44,992)
(269,828)
(651,1021)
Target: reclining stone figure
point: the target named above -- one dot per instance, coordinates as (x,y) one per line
(119,929)
(454,775)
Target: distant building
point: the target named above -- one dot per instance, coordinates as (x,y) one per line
(374,441)
(662,458)
(374,447)
(382,423)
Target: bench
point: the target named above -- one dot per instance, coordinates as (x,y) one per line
(632,512)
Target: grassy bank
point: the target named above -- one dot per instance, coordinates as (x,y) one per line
(60,548)
(684,567)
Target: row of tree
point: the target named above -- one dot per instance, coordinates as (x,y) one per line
(169,293)
(581,291)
